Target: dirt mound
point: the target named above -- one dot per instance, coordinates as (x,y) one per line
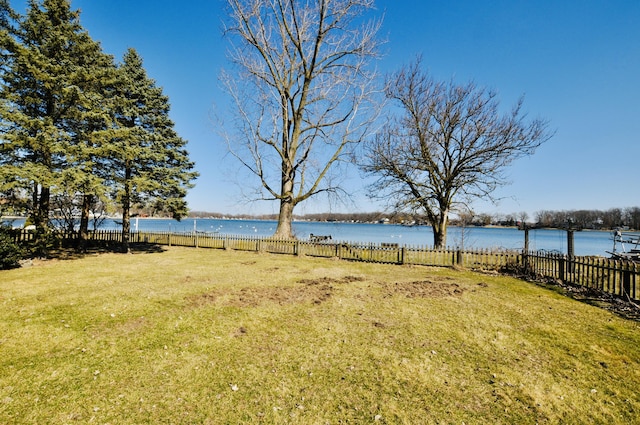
(314,291)
(331,280)
(253,297)
(424,289)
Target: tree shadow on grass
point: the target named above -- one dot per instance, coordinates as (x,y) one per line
(72,253)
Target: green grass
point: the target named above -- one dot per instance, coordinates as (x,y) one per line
(211,337)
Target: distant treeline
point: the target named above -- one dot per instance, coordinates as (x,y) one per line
(591,219)
(584,219)
(370,217)
(628,218)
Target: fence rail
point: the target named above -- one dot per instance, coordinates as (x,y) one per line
(617,277)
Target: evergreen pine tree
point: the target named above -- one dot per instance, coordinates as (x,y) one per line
(150,163)
(52,96)
(7,38)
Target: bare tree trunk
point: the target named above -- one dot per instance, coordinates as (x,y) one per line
(440,231)
(284,229)
(126,227)
(41,216)
(83,234)
(126,212)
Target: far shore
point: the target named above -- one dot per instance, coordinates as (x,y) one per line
(312,220)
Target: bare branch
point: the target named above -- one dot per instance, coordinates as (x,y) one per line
(449,143)
(303,91)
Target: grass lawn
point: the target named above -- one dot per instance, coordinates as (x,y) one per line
(197,336)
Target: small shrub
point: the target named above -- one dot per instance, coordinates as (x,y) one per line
(10,252)
(42,242)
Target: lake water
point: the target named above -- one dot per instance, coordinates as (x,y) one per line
(585,242)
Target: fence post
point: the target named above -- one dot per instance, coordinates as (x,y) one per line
(402,254)
(459,257)
(561,268)
(626,281)
(525,249)
(635,295)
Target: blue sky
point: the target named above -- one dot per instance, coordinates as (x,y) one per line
(577,62)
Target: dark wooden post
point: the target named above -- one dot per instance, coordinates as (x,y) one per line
(525,250)
(626,281)
(570,252)
(570,246)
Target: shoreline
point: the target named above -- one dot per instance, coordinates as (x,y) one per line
(488,226)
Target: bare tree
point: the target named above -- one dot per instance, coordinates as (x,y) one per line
(465,219)
(523,216)
(632,217)
(448,144)
(303,92)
